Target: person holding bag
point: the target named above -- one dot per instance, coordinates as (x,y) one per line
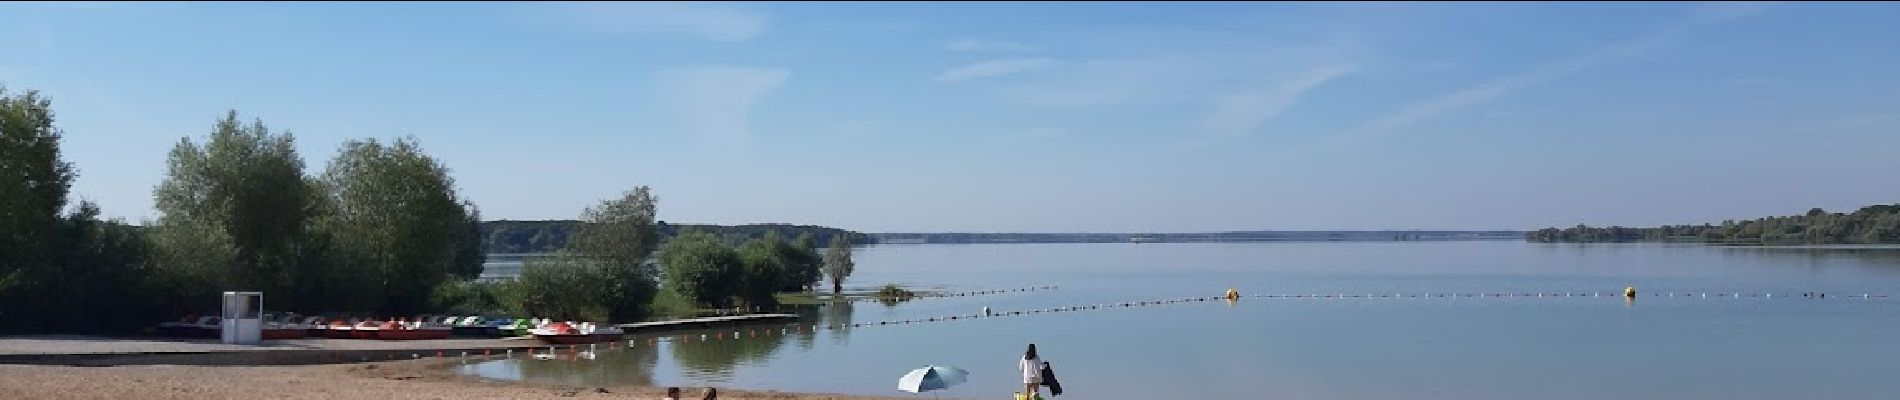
(1032,368)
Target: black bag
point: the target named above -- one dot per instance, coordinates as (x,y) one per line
(1049,379)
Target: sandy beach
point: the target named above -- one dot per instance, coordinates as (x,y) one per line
(86,367)
(409,379)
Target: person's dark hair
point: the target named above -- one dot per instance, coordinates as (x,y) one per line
(1031,353)
(712,393)
(673,392)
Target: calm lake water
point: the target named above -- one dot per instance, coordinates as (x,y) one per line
(1592,348)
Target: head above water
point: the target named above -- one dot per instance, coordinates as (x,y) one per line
(1031,354)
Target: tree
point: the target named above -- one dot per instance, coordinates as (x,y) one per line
(60,273)
(33,185)
(802,258)
(765,272)
(702,268)
(396,213)
(471,248)
(232,212)
(565,286)
(618,236)
(838,264)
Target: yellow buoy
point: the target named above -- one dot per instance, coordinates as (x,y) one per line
(1629,291)
(1233,294)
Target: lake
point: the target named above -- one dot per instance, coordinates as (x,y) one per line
(1518,347)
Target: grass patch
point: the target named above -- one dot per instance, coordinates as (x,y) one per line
(894,292)
(671,305)
(802,298)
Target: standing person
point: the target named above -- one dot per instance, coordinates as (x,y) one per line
(1031,366)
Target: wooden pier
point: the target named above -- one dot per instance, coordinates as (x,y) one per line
(706,322)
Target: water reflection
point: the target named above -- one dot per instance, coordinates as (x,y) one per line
(838,313)
(716,358)
(612,364)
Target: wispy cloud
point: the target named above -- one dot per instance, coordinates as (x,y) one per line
(973,45)
(856,26)
(1245,111)
(996,68)
(1103,82)
(716,102)
(1491,90)
(714,21)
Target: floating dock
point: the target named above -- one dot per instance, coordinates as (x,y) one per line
(706,322)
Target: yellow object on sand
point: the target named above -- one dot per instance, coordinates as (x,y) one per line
(1020,396)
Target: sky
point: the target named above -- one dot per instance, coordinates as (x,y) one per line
(1018,117)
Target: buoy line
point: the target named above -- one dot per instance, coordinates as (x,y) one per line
(574,350)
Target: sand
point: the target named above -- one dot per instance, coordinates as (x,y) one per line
(87,367)
(410,379)
(78,344)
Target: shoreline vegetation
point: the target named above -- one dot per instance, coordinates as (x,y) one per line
(380,231)
(1875,224)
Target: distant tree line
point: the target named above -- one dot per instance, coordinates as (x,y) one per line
(1868,225)
(1238,236)
(506,236)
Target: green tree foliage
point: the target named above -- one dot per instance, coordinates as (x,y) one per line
(566,286)
(471,249)
(60,273)
(1871,224)
(838,264)
(619,235)
(701,267)
(33,185)
(603,274)
(550,236)
(808,241)
(765,272)
(464,297)
(232,212)
(803,266)
(100,285)
(395,217)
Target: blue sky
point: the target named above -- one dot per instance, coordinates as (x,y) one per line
(1017,117)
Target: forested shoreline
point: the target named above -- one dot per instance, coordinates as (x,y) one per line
(1875,224)
(511,236)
